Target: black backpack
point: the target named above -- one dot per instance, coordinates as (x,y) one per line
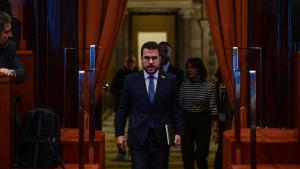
(39,145)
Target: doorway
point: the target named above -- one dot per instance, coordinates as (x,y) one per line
(151,27)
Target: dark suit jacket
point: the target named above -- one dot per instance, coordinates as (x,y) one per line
(178,73)
(10,60)
(136,104)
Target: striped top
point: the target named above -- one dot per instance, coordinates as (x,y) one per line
(198,97)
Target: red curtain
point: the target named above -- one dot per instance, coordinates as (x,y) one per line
(228,22)
(99,24)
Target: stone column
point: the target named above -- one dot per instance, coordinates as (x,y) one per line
(207,51)
(184,45)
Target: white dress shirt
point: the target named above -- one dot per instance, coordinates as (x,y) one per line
(146,75)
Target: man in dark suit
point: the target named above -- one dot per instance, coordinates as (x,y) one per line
(149,98)
(10,66)
(165,53)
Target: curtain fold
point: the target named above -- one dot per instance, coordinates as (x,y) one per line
(99,24)
(228,22)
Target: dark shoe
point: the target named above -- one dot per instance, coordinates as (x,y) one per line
(127,157)
(119,157)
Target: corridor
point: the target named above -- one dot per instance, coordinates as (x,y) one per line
(111,150)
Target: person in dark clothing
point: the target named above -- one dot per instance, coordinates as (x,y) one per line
(197,97)
(10,66)
(117,82)
(225,118)
(165,52)
(116,88)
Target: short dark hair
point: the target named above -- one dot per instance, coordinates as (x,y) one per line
(198,64)
(163,43)
(149,45)
(4,18)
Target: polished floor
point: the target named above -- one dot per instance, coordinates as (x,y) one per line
(175,160)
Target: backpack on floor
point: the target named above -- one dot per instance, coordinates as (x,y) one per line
(39,145)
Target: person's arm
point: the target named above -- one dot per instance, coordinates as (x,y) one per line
(121,116)
(181,96)
(214,110)
(178,115)
(14,64)
(19,70)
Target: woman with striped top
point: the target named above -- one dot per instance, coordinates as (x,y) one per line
(198,100)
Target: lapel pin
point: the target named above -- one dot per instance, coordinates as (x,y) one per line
(162,76)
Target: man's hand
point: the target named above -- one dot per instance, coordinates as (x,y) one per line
(7,73)
(120,141)
(177,140)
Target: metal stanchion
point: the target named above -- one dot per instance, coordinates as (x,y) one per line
(252,79)
(81,110)
(92,86)
(237,88)
(237,94)
(82,106)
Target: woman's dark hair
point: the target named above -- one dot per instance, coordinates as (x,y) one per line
(198,64)
(149,45)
